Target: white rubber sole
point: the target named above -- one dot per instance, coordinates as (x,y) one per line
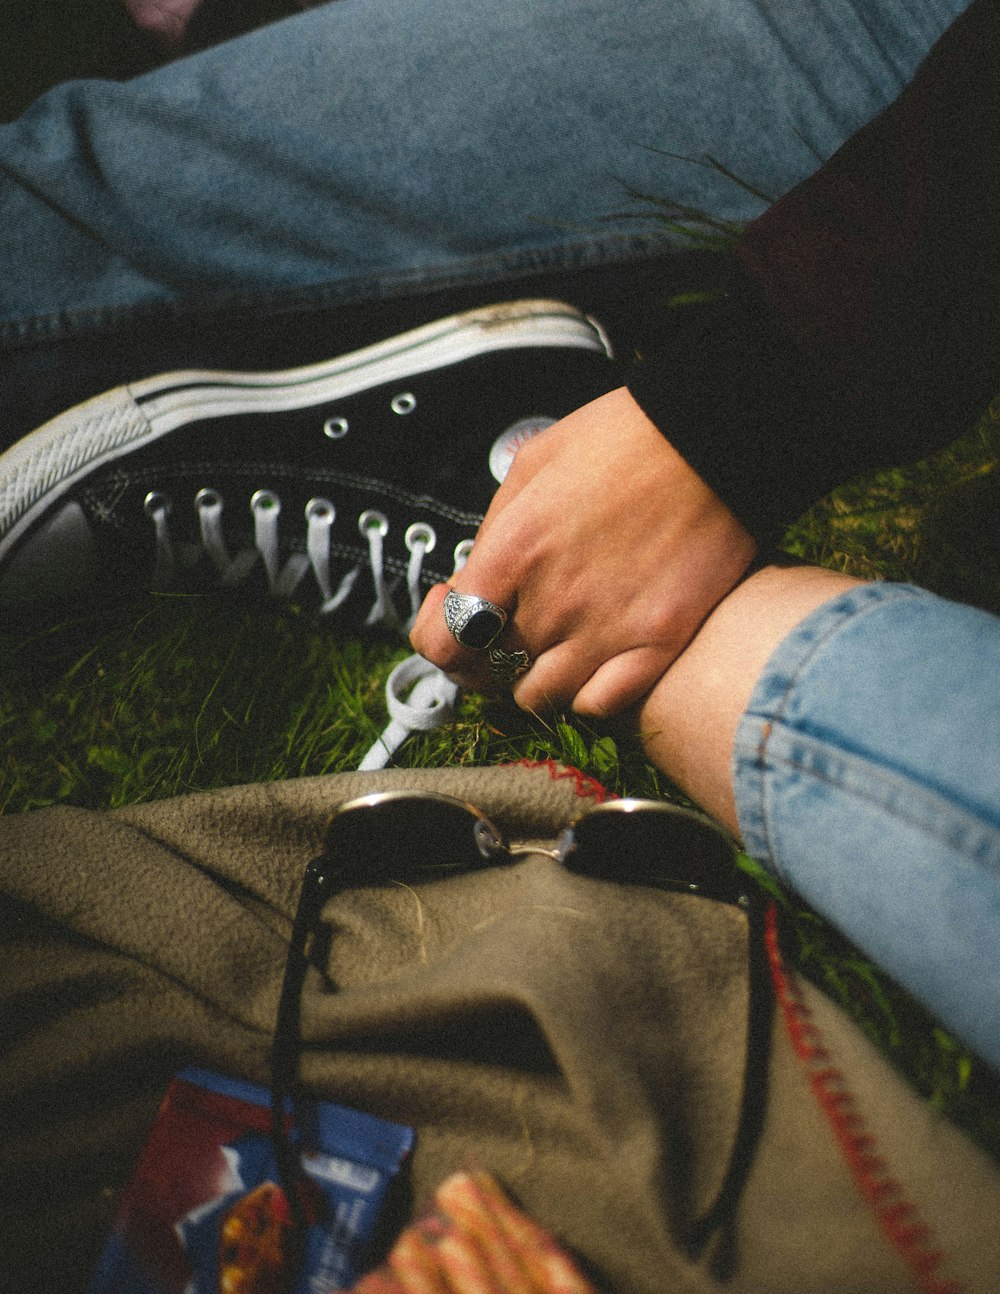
(46,463)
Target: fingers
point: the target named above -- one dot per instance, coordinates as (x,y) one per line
(494,571)
(587,675)
(555,681)
(606,663)
(599,661)
(433,637)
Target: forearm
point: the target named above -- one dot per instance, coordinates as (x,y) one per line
(688,721)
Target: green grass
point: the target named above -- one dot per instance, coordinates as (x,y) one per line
(114,707)
(127,704)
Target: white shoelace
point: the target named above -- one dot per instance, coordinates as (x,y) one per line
(231,570)
(419,697)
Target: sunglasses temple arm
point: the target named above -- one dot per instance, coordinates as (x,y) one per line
(316,885)
(753,1100)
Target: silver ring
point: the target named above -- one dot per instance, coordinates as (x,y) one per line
(506,666)
(474,622)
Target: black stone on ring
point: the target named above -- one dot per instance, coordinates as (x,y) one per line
(474,622)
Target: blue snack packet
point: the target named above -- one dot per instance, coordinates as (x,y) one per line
(204,1211)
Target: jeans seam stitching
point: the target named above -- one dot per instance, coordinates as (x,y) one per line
(486,270)
(872,597)
(943,809)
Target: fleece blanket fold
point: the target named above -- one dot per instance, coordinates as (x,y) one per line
(582,1041)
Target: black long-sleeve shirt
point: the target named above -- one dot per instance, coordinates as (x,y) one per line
(861,326)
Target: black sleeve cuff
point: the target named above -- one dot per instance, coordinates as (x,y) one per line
(730,391)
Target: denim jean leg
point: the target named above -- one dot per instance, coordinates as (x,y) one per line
(867,776)
(368,146)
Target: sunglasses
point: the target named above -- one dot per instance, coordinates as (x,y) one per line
(412,836)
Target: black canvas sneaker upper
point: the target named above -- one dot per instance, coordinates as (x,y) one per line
(349,486)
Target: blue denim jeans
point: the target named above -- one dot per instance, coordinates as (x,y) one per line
(867,776)
(371,146)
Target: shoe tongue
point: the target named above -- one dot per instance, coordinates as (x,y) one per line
(57,560)
(510,441)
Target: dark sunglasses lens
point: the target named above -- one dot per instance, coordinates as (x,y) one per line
(654,846)
(399,835)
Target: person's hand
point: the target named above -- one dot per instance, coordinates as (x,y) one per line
(607,550)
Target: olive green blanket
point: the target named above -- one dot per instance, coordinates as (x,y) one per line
(585,1041)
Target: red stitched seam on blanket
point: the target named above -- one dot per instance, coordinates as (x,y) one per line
(587,788)
(896,1216)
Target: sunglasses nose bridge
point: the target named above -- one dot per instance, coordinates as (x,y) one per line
(526,851)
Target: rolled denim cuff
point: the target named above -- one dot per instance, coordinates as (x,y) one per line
(866,771)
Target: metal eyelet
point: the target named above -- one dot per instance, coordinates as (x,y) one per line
(320,510)
(208,499)
(420,534)
(156,504)
(265,501)
(370,520)
(462,550)
(335,428)
(403,403)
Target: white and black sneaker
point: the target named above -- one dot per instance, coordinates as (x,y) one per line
(350,485)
